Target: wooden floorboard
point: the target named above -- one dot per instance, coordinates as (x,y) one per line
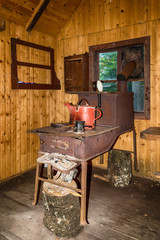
(130,213)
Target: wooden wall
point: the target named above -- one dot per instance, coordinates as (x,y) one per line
(104,21)
(21,110)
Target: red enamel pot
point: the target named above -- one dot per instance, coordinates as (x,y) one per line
(84,113)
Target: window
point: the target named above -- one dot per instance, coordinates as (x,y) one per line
(32,66)
(108,70)
(108,60)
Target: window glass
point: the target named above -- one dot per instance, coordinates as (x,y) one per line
(138,88)
(135,52)
(108,66)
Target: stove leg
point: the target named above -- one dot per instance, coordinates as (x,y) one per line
(36,185)
(83,192)
(135,150)
(49,168)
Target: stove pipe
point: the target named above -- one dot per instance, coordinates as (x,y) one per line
(124,75)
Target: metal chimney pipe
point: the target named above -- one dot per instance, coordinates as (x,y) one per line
(124,75)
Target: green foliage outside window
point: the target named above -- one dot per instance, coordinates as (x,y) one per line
(108,66)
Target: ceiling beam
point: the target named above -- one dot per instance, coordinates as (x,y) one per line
(36,15)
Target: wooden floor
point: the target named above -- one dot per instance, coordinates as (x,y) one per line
(128,213)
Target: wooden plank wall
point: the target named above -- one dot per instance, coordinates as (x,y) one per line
(21,110)
(104,21)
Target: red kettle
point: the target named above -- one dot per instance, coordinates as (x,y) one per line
(83,113)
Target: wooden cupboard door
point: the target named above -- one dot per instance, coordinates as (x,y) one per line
(76,73)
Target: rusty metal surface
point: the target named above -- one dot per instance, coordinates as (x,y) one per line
(127,70)
(117,109)
(64,132)
(96,145)
(82,146)
(117,118)
(124,75)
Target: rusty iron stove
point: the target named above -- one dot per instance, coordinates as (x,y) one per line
(117,119)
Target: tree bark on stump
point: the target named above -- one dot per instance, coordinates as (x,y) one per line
(119,167)
(62,211)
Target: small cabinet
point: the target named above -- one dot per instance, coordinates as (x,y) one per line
(76,73)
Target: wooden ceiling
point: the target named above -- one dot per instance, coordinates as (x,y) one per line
(52,20)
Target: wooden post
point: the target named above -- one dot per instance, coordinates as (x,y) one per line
(36,185)
(49,171)
(83,192)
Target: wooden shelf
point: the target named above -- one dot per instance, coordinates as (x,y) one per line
(18,83)
(151,133)
(157,174)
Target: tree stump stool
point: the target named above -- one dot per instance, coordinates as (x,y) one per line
(119,167)
(62,209)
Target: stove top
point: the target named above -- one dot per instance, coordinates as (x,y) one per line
(65,129)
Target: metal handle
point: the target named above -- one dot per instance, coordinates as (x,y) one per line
(79,102)
(99,115)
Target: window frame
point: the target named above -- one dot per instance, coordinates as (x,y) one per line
(94,67)
(55,83)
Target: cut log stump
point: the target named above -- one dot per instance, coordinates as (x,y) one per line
(119,167)
(62,210)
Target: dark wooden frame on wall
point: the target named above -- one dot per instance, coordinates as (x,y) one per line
(93,67)
(55,83)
